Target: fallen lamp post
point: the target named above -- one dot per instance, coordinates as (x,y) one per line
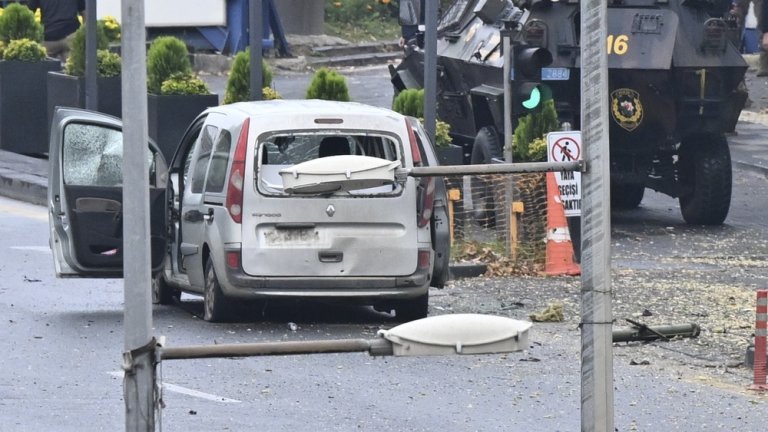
(642,333)
(437,335)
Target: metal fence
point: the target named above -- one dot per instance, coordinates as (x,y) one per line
(499,219)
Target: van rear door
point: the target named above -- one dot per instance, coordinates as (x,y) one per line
(341,231)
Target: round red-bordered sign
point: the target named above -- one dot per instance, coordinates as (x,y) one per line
(566,150)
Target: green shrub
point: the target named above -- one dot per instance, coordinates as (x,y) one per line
(268,93)
(409,102)
(350,11)
(18,22)
(239,80)
(109,64)
(24,50)
(184,84)
(328,84)
(533,126)
(442,134)
(111,28)
(76,60)
(3,46)
(167,55)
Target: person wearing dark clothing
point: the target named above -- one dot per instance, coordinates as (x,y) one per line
(60,21)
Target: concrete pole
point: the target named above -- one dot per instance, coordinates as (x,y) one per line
(596,314)
(430,67)
(91,61)
(255,35)
(139,381)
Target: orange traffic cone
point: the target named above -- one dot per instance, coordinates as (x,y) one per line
(559,259)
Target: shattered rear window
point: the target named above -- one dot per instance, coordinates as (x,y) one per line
(283,150)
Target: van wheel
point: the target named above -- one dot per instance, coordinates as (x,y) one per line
(487,146)
(704,171)
(412,309)
(216,307)
(162,293)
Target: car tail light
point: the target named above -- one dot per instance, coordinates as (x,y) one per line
(414,145)
(425,198)
(425,258)
(234,202)
(233,260)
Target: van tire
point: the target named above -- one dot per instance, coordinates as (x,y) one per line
(216,307)
(412,309)
(162,293)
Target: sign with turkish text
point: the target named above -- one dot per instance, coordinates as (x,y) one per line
(566,147)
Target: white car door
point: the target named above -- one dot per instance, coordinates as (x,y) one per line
(85,195)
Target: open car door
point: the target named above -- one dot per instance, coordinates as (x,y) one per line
(85,195)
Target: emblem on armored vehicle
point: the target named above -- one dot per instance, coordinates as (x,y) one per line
(626,108)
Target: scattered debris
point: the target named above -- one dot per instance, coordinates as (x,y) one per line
(26,279)
(553,313)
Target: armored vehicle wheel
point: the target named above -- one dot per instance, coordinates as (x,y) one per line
(487,147)
(162,293)
(704,170)
(216,307)
(626,196)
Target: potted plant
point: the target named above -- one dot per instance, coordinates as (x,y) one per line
(23,68)
(328,84)
(67,88)
(239,80)
(411,102)
(175,95)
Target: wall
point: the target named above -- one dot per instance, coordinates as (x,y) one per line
(305,17)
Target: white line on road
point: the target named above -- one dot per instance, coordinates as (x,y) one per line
(186,391)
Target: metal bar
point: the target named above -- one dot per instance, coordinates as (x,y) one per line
(255,30)
(522,167)
(430,68)
(375,347)
(645,333)
(139,381)
(91,60)
(596,315)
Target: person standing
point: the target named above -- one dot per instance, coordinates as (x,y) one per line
(60,21)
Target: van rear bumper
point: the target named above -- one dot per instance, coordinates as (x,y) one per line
(240,285)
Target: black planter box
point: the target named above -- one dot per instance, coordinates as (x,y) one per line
(450,155)
(23,112)
(69,91)
(168,117)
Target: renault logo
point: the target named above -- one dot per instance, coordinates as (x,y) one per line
(330,210)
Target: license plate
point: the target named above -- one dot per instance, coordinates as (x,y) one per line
(291,237)
(555,74)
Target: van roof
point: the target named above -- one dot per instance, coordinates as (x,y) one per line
(303,107)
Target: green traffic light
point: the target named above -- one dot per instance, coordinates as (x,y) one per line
(533,100)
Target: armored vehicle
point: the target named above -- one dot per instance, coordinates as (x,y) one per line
(675,85)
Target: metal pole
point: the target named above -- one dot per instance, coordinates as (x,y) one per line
(139,380)
(596,315)
(516,168)
(430,67)
(376,347)
(91,60)
(506,35)
(255,35)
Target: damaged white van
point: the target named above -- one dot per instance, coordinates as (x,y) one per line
(282,199)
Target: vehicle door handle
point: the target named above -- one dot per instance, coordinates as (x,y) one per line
(330,256)
(208,217)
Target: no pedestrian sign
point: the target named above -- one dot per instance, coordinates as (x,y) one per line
(566,147)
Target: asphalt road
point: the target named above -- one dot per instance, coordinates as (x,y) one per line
(62,341)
